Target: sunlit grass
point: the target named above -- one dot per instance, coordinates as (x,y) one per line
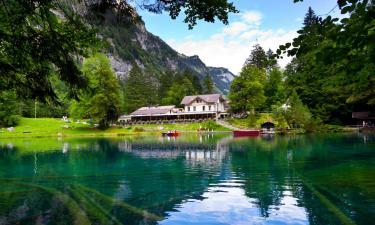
(49,127)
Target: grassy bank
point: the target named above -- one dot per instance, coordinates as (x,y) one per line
(48,127)
(283,128)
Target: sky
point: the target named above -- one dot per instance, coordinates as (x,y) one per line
(269,23)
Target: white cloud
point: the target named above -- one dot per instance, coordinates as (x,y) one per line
(235,28)
(252,17)
(232,45)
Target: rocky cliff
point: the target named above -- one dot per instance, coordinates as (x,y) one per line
(128,43)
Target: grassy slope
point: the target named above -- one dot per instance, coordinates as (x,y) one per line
(48,127)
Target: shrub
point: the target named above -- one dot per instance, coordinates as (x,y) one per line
(138,129)
(210,125)
(10,121)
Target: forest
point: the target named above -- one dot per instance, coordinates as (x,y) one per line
(331,75)
(52,64)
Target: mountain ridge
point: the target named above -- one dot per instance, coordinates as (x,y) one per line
(129,43)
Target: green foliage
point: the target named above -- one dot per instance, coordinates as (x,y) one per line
(247,90)
(210,125)
(139,90)
(197,87)
(274,88)
(101,100)
(178,91)
(9,109)
(208,85)
(257,57)
(295,113)
(334,68)
(35,43)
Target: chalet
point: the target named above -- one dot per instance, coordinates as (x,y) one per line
(196,108)
(204,103)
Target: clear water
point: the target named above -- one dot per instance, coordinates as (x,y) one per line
(209,179)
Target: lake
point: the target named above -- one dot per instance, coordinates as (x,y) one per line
(193,179)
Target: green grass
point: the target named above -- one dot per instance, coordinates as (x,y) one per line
(49,127)
(255,121)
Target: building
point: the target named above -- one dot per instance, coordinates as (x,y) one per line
(364,118)
(204,103)
(196,108)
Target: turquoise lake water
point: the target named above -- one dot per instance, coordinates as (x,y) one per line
(194,179)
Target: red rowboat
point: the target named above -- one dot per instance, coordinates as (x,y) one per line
(171,134)
(246,133)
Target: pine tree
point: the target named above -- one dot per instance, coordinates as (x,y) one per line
(257,57)
(310,18)
(134,90)
(208,84)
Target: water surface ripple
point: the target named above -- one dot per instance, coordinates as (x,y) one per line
(194,179)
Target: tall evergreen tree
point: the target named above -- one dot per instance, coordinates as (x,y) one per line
(257,57)
(137,90)
(310,18)
(208,84)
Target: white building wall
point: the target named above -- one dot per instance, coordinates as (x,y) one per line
(215,107)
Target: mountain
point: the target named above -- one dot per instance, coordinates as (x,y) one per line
(222,78)
(128,43)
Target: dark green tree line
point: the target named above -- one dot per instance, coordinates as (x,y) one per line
(333,70)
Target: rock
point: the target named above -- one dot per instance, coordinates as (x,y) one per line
(10,129)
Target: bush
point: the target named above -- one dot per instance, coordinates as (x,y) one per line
(10,121)
(210,125)
(138,129)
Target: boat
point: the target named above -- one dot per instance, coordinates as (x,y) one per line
(170,134)
(246,133)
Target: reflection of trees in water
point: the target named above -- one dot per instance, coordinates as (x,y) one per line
(158,175)
(264,167)
(328,175)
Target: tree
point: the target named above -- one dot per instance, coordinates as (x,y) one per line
(271,60)
(333,71)
(41,37)
(208,84)
(9,109)
(247,90)
(178,91)
(310,18)
(197,86)
(257,57)
(101,101)
(138,90)
(274,89)
(295,112)
(166,81)
(35,42)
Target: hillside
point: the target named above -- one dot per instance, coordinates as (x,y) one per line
(129,43)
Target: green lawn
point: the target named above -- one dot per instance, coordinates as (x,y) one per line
(49,127)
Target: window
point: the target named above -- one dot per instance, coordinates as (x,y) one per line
(203,108)
(195,108)
(209,108)
(189,109)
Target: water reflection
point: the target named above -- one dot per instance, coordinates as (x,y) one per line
(195,179)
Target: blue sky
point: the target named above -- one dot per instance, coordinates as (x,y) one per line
(267,22)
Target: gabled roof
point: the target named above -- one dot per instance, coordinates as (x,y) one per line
(211,98)
(153,110)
